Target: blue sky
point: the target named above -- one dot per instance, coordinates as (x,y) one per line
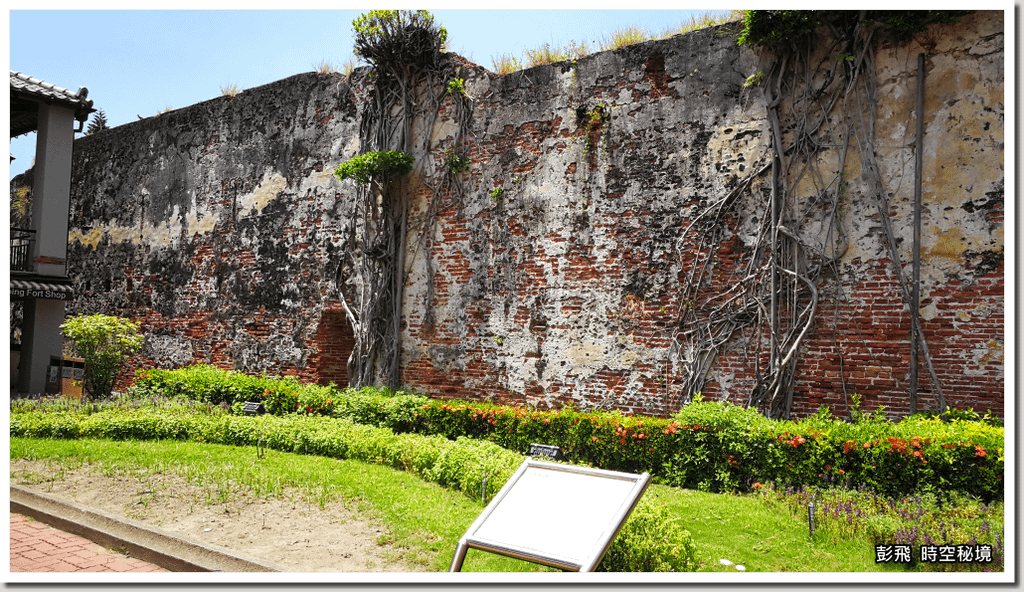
(142,62)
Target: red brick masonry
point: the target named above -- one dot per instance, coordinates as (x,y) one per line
(36,547)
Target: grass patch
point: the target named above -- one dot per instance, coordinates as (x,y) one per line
(426,520)
(625,36)
(705,20)
(548,54)
(745,531)
(325,67)
(622,37)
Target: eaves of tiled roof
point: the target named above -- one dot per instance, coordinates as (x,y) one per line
(27,92)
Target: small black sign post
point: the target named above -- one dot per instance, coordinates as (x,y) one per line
(545,451)
(514,524)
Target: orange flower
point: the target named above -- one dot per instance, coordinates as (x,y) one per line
(979,451)
(867,445)
(757,486)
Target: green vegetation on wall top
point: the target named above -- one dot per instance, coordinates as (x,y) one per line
(776,28)
(397,37)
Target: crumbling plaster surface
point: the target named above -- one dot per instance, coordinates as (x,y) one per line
(209,222)
(221,226)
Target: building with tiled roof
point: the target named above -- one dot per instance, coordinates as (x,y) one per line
(26,95)
(38,266)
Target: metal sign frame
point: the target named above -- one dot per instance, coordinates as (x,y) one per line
(518,524)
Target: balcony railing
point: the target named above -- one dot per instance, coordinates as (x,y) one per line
(21,249)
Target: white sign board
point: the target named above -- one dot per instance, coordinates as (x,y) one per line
(555,514)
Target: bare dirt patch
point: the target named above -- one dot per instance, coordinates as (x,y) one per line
(288,530)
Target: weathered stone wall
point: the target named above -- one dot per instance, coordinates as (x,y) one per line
(221,227)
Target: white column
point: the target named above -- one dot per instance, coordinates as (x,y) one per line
(40,339)
(51,189)
(51,195)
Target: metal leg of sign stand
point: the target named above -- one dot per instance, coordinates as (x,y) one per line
(460,556)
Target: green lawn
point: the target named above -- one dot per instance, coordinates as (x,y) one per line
(426,520)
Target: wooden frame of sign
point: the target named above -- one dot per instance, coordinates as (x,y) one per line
(557,515)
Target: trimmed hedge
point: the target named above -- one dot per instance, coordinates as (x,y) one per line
(459,465)
(712,446)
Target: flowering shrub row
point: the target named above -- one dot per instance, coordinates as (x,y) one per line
(725,447)
(712,446)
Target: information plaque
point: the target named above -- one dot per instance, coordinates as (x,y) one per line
(553,514)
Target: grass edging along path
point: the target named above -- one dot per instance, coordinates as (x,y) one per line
(421,517)
(426,520)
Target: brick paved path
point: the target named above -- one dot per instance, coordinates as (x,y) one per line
(37,547)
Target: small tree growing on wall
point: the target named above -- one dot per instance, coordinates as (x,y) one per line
(105,342)
(408,82)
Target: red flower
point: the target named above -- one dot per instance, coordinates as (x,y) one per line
(623,441)
(757,486)
(867,445)
(979,451)
(546,420)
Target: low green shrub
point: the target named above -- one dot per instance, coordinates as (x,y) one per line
(474,467)
(379,407)
(651,540)
(199,383)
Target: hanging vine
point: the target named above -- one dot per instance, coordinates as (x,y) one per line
(815,102)
(409,81)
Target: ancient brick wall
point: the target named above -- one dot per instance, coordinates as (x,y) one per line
(221,228)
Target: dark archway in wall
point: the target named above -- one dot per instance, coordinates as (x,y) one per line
(334,340)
